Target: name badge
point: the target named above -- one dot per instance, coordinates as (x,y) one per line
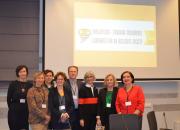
(62,107)
(22,100)
(108,105)
(75,97)
(43,105)
(128,103)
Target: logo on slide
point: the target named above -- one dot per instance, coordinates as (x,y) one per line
(84,34)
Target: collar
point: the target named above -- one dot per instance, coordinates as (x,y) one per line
(88,85)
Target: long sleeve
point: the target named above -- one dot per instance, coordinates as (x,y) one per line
(117,104)
(100,103)
(81,106)
(135,96)
(32,105)
(9,94)
(88,102)
(53,109)
(140,100)
(69,102)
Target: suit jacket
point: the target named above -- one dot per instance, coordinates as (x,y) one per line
(68,85)
(79,83)
(54,105)
(135,95)
(103,111)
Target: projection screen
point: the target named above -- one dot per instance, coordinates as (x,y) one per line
(111,36)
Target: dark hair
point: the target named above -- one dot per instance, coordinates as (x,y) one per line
(20,67)
(130,73)
(62,74)
(73,66)
(48,71)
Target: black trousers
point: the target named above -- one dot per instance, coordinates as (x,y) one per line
(75,121)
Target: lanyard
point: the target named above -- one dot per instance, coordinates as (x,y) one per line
(61,100)
(73,87)
(73,90)
(128,93)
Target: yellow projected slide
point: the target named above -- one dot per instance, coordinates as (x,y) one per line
(114,35)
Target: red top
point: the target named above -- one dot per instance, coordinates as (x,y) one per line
(134,97)
(88,100)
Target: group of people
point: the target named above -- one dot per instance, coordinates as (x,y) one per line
(55,102)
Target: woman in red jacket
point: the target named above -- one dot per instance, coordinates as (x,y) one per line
(130,98)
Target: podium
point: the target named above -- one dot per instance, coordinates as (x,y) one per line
(123,122)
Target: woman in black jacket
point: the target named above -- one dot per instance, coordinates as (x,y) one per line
(88,100)
(60,103)
(106,101)
(16,100)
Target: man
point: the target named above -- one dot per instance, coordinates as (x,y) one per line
(74,84)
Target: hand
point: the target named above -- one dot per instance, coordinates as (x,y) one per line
(98,122)
(63,119)
(66,115)
(47,119)
(137,112)
(82,123)
(119,113)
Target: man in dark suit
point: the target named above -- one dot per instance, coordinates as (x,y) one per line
(74,84)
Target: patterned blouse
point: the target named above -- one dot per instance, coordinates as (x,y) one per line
(37,99)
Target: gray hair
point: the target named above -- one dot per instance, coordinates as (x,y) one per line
(89,74)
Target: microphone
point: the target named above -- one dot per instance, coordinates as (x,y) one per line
(164,115)
(165,120)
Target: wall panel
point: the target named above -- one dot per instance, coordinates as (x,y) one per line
(19,36)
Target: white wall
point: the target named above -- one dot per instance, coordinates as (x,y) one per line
(162,96)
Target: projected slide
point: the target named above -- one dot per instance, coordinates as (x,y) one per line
(114,35)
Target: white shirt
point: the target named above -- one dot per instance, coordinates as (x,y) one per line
(90,86)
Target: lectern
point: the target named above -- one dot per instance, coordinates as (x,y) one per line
(123,122)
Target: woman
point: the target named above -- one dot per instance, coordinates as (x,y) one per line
(16,100)
(106,101)
(130,98)
(60,103)
(49,76)
(88,100)
(37,98)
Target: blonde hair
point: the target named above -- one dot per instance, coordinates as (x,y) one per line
(114,79)
(35,75)
(89,74)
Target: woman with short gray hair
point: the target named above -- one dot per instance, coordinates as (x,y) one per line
(88,99)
